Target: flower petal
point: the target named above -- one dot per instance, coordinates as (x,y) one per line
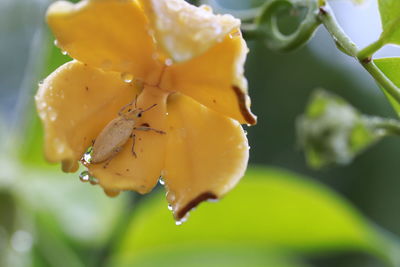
(109,34)
(185,31)
(75,102)
(207,154)
(140,173)
(215,79)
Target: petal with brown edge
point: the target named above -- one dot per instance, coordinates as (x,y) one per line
(140,173)
(108,34)
(75,102)
(207,154)
(215,79)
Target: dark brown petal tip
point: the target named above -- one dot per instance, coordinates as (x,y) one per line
(192,204)
(250,118)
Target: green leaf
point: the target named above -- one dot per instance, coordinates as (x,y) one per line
(390,17)
(271,211)
(82,212)
(391,68)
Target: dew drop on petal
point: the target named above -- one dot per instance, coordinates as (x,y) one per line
(65,53)
(84,176)
(169,62)
(170,207)
(127,77)
(161,180)
(87,157)
(235,34)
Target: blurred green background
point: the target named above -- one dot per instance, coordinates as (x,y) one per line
(281,214)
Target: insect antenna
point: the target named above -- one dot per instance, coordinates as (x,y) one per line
(147,109)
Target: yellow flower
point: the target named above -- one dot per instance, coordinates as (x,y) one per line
(183,58)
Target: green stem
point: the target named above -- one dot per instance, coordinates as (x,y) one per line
(387,126)
(329,21)
(368,51)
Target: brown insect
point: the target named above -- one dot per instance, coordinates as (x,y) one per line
(117,132)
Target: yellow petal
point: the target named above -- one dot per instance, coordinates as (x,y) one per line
(207,154)
(185,31)
(215,79)
(140,173)
(109,34)
(74,103)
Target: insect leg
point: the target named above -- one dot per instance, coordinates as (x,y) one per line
(145,128)
(121,111)
(133,144)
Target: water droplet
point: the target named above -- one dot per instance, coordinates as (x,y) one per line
(84,176)
(127,77)
(169,62)
(56,43)
(87,157)
(161,181)
(21,241)
(170,207)
(235,34)
(65,53)
(155,56)
(181,221)
(245,132)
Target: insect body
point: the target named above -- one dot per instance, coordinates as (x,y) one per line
(117,133)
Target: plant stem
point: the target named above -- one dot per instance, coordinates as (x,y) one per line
(389,126)
(368,51)
(329,21)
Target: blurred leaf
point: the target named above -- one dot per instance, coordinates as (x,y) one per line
(391,68)
(270,210)
(81,211)
(390,17)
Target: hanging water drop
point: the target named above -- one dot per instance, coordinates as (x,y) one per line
(65,53)
(87,157)
(84,176)
(161,180)
(178,222)
(127,77)
(170,207)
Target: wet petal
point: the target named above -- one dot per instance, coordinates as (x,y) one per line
(207,154)
(185,31)
(216,79)
(75,102)
(140,173)
(110,34)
